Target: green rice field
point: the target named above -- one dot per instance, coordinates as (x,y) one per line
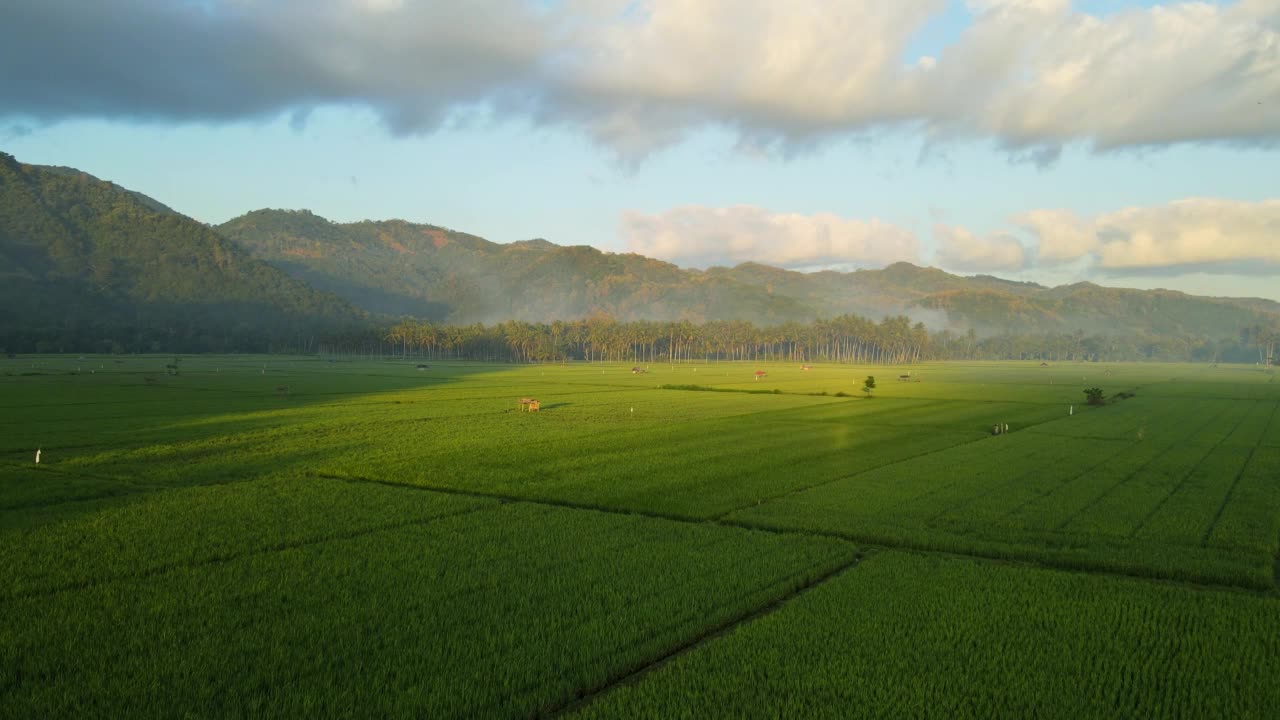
(267,536)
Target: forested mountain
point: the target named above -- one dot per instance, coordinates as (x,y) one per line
(86,265)
(399,268)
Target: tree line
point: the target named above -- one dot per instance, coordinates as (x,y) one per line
(895,340)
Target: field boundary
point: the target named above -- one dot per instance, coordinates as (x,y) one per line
(1182,482)
(1226,500)
(1037,498)
(824,483)
(234,556)
(1103,495)
(635,674)
(866,542)
(932,520)
(796,491)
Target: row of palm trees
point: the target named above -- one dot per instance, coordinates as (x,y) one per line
(843,339)
(847,338)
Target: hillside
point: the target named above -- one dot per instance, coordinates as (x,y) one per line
(399,268)
(88,266)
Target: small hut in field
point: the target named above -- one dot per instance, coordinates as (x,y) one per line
(760,374)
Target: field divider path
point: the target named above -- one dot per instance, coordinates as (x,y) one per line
(234,556)
(838,478)
(1069,481)
(1103,495)
(1204,541)
(865,544)
(796,491)
(1187,477)
(548,502)
(999,488)
(634,674)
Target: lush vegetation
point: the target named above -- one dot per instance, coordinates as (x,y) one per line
(845,339)
(502,612)
(404,269)
(909,636)
(266,535)
(87,266)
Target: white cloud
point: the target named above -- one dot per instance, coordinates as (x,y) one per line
(1193,235)
(1032,73)
(1063,236)
(639,74)
(702,236)
(959,249)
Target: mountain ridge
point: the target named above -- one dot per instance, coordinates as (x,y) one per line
(86,263)
(447,276)
(91,265)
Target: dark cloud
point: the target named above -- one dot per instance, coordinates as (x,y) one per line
(1031,74)
(175,60)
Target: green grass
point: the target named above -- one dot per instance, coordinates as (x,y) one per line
(909,636)
(505,611)
(378,540)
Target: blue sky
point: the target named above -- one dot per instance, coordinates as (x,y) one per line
(703,132)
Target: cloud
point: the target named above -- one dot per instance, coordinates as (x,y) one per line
(637,75)
(416,63)
(959,249)
(1192,235)
(1034,73)
(702,236)
(1195,234)
(1063,236)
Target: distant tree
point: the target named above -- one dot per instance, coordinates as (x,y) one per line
(1094,396)
(869,384)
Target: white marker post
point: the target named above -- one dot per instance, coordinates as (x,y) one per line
(37,456)
(1072,411)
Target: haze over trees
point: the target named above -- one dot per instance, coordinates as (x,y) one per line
(88,266)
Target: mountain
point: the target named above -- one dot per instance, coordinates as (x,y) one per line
(398,268)
(86,265)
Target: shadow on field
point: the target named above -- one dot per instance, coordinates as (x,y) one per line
(31,496)
(127,430)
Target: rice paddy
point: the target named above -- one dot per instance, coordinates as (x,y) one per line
(302,537)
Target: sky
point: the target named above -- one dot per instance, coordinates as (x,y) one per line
(1130,144)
